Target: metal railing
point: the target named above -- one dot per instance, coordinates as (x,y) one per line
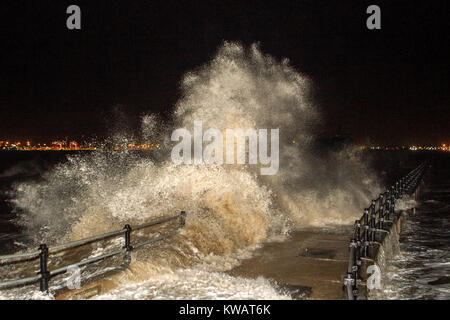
(44,275)
(377,219)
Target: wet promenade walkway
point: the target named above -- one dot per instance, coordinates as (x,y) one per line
(312,261)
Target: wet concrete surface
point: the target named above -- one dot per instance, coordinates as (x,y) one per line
(310,264)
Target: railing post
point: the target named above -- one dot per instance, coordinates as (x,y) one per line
(408,185)
(401,188)
(350,285)
(392,207)
(387,204)
(182,219)
(373,218)
(381,212)
(366,216)
(349,282)
(127,246)
(43,271)
(387,209)
(353,266)
(358,244)
(365,251)
(381,217)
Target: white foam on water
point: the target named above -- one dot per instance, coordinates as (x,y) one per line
(27,294)
(230,209)
(405,203)
(195,284)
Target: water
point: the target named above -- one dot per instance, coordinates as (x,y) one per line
(180,270)
(231,210)
(422,269)
(16,168)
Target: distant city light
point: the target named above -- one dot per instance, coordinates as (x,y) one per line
(57,145)
(443,147)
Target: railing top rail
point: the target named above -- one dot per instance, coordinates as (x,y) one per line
(18,257)
(152,223)
(81,242)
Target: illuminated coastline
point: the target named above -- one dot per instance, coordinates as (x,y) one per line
(57,145)
(7,145)
(442,147)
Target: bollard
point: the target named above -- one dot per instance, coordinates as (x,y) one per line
(182,219)
(43,271)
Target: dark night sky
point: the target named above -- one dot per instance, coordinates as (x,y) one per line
(390,85)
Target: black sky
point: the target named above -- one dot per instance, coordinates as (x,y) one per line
(388,86)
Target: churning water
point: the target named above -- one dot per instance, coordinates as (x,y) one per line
(422,269)
(230,209)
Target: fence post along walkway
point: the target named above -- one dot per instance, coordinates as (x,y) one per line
(376,220)
(43,253)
